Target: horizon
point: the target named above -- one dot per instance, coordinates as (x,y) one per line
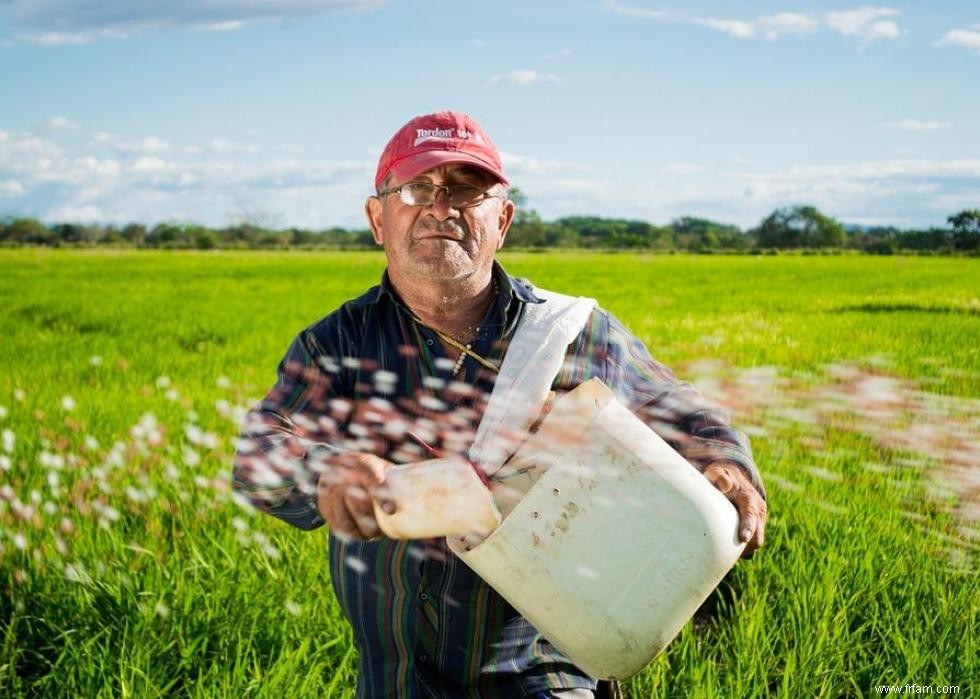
(277,111)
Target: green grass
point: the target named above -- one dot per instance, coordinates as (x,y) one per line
(868,575)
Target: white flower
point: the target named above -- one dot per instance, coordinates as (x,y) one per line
(8,441)
(19,395)
(5,463)
(3,411)
(67,403)
(163,382)
(95,360)
(223,382)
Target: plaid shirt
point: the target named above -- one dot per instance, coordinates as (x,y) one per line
(425,625)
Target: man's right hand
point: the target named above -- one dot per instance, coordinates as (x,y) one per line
(346,493)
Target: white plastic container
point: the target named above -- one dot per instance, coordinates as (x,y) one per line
(617,542)
(436,498)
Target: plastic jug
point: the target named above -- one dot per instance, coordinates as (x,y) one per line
(617,541)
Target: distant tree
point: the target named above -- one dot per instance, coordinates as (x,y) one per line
(28,231)
(799,227)
(134,234)
(75,233)
(691,233)
(527,229)
(966,229)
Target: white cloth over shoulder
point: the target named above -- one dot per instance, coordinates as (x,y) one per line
(533,359)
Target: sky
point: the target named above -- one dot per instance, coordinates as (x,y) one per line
(275,111)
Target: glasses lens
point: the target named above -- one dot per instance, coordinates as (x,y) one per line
(462,195)
(418,193)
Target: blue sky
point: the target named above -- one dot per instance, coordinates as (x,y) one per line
(275,110)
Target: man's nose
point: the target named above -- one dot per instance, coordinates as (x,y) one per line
(442,208)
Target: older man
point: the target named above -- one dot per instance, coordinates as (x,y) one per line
(404,371)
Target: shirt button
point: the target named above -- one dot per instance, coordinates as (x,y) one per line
(424,596)
(423,657)
(429,342)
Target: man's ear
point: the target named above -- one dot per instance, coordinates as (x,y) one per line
(373,209)
(505,218)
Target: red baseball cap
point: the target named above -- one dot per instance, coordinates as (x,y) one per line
(432,140)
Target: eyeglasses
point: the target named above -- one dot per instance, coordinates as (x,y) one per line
(461,196)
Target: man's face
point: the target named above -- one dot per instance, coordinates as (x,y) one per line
(439,242)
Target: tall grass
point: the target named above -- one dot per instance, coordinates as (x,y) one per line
(127,569)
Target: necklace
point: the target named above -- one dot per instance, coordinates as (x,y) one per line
(465,350)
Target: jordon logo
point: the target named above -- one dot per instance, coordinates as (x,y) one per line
(423,135)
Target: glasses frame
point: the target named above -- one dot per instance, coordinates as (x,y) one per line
(403,195)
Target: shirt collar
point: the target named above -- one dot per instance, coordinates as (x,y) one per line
(508,288)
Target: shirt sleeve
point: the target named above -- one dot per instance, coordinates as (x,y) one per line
(289,436)
(697,429)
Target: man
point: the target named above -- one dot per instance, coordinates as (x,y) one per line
(404,371)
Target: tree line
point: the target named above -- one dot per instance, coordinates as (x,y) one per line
(786,228)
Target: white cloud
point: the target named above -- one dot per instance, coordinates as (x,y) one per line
(522,165)
(66,22)
(682,168)
(916,125)
(229,26)
(148,164)
(11,188)
(85,213)
(523,78)
(734,27)
(220,145)
(60,122)
(634,12)
(150,144)
(865,23)
(967,38)
(774,26)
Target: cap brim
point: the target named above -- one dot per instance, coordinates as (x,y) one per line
(418,163)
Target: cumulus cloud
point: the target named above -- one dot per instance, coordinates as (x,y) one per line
(865,23)
(60,22)
(60,122)
(78,182)
(916,125)
(516,164)
(221,145)
(966,38)
(149,144)
(774,26)
(522,78)
(11,188)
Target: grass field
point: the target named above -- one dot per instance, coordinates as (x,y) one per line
(127,569)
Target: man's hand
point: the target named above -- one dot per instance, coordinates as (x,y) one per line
(735,485)
(346,494)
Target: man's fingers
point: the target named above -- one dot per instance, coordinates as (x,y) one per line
(720,479)
(752,512)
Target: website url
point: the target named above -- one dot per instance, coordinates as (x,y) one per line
(916,689)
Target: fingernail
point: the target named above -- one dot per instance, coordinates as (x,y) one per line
(388,507)
(746,534)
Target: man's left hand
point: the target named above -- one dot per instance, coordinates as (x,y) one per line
(736,485)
